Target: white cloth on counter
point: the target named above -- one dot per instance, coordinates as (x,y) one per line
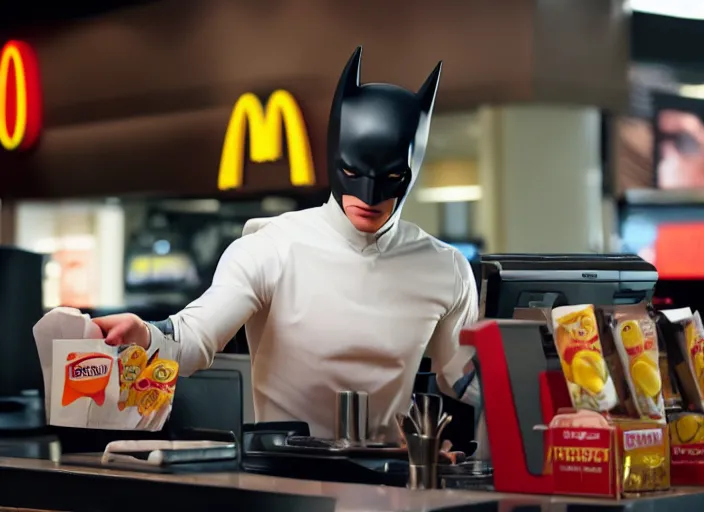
(119,451)
(329,308)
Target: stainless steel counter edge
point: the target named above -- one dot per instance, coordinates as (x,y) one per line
(242,491)
(340,497)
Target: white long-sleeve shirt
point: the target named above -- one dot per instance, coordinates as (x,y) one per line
(329,308)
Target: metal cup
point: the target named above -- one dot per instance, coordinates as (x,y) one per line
(423,477)
(351,420)
(423,461)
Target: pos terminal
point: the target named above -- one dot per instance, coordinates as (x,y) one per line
(516,361)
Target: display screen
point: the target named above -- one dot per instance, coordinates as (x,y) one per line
(670,237)
(634,154)
(468,250)
(679,142)
(150,269)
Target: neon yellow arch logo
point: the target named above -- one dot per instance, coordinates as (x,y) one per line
(267,125)
(20,97)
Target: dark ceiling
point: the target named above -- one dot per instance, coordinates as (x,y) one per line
(675,42)
(655,39)
(21,14)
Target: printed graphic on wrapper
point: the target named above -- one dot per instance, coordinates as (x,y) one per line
(578,345)
(132,361)
(146,385)
(646,461)
(694,338)
(136,396)
(636,341)
(687,438)
(87,375)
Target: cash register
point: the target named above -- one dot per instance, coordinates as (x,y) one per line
(510,281)
(516,361)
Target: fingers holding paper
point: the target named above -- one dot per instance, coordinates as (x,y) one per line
(123,329)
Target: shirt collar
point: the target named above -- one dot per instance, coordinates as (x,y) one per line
(379,241)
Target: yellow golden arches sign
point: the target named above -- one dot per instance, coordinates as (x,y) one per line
(20,96)
(267,125)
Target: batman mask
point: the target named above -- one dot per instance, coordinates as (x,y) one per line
(377,136)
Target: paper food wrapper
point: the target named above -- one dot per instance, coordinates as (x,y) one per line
(60,324)
(89,384)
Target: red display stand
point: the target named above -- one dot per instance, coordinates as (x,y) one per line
(506,441)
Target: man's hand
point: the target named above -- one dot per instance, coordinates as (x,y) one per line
(124,329)
(447,453)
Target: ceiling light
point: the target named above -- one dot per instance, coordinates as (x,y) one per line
(691,9)
(449,194)
(692,91)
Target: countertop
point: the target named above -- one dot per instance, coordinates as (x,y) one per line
(342,497)
(242,491)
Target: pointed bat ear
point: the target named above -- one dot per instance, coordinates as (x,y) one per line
(349,80)
(426,93)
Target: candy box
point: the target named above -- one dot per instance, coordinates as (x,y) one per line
(591,455)
(687,448)
(102,387)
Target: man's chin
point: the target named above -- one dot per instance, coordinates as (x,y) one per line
(365,225)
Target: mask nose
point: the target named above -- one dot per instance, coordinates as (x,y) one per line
(367,190)
(372,193)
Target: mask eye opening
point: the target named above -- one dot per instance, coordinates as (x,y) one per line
(349,173)
(397,175)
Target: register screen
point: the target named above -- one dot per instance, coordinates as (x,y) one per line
(679,250)
(669,237)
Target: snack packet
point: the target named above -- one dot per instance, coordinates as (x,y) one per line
(99,386)
(578,345)
(673,324)
(626,407)
(670,389)
(670,386)
(694,345)
(636,341)
(687,429)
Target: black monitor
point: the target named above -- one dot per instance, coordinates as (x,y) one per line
(20,308)
(209,399)
(512,281)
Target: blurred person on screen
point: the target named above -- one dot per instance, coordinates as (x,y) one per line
(681,148)
(634,154)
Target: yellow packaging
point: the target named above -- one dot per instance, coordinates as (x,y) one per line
(645,462)
(579,347)
(694,340)
(627,407)
(687,428)
(673,325)
(131,363)
(636,341)
(687,445)
(147,384)
(155,386)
